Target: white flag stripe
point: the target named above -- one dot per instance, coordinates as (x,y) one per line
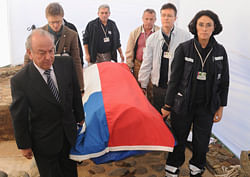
(92,82)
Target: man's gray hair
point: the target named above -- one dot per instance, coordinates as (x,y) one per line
(104,6)
(151,11)
(28,43)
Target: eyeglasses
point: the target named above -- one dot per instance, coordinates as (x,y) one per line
(59,22)
(207,25)
(167,15)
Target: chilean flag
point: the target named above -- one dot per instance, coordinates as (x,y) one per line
(120,121)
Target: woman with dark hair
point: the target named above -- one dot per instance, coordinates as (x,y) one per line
(197,91)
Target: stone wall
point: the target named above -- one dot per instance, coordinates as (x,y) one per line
(6,129)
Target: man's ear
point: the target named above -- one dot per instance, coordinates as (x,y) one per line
(29,53)
(175,18)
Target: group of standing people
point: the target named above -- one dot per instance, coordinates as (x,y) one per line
(190,78)
(184,78)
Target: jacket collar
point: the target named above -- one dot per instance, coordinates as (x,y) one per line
(152,30)
(210,44)
(161,37)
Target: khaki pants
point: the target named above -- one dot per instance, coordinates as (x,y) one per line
(137,65)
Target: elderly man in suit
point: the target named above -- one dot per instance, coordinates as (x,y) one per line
(66,40)
(46,107)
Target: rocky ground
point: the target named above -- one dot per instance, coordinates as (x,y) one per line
(147,165)
(221,162)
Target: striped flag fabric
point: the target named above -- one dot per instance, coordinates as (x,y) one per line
(119,119)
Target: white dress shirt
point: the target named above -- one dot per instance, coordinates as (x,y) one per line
(52,74)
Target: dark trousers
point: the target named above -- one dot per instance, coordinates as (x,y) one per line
(158,97)
(202,120)
(58,165)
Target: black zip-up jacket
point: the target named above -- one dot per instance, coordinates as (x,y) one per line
(90,38)
(185,66)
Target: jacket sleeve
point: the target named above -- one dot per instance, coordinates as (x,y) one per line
(86,35)
(74,50)
(77,98)
(19,110)
(224,85)
(147,65)
(130,51)
(117,36)
(177,68)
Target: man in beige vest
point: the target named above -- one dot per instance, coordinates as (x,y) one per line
(137,42)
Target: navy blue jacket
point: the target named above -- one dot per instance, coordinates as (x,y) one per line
(183,79)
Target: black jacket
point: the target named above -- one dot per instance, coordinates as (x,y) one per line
(39,121)
(185,66)
(90,38)
(72,26)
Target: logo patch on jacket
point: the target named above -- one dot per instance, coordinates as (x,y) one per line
(189,59)
(218,76)
(218,58)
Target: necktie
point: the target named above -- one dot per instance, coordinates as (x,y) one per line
(51,85)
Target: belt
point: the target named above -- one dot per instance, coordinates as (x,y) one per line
(154,86)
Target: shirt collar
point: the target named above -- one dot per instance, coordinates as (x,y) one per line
(152,30)
(99,20)
(171,32)
(59,33)
(41,71)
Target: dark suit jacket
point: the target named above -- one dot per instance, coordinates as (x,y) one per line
(68,40)
(39,121)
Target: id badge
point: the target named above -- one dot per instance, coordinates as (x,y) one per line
(202,76)
(166,55)
(106,39)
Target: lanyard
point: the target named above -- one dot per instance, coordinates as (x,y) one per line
(105,32)
(57,42)
(202,62)
(169,39)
